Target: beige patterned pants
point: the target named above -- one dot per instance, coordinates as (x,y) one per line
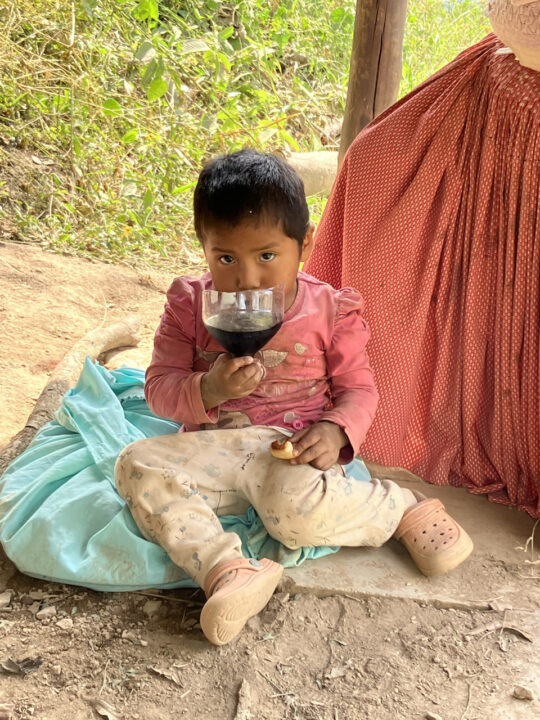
(177,485)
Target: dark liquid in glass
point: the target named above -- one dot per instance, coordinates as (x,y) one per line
(243,333)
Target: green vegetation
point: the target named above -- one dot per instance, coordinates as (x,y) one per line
(116,103)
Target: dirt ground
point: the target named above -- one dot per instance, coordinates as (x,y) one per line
(67,653)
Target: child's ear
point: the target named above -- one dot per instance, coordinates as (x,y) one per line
(307,245)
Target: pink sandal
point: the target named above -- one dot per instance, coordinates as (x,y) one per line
(236,590)
(434,540)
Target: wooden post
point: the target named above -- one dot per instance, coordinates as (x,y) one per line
(376,64)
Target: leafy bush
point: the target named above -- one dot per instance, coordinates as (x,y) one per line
(120,102)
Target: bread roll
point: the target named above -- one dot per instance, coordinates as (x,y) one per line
(283,450)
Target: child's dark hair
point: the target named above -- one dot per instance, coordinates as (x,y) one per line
(249,185)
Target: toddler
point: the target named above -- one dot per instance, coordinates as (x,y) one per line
(311,383)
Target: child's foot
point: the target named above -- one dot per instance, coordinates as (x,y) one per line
(236,590)
(434,540)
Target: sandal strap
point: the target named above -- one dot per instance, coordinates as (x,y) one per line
(418,516)
(222,568)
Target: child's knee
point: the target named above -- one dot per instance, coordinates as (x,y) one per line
(293,529)
(127,469)
(289,506)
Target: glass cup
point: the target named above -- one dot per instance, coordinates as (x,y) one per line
(244,321)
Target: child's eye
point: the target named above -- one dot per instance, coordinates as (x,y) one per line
(267,256)
(226,259)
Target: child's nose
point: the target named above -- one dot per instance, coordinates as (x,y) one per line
(248,278)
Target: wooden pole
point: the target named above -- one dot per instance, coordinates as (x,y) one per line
(376,64)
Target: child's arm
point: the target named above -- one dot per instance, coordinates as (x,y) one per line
(342,428)
(355,397)
(173,389)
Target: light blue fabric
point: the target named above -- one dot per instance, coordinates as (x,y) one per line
(61,518)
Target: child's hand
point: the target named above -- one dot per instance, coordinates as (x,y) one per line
(319,445)
(230,378)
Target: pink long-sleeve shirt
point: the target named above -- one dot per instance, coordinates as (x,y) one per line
(316,365)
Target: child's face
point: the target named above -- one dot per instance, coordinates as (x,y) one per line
(254,256)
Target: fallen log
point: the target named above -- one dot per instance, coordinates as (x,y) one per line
(65,376)
(317,170)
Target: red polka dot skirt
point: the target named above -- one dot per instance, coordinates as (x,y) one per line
(435,218)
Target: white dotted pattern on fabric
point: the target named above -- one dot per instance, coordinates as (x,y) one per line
(435,219)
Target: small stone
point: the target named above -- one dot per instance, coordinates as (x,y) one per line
(432,716)
(523,693)
(65,623)
(151,607)
(5,598)
(282,597)
(46,612)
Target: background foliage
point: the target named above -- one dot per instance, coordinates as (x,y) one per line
(109,107)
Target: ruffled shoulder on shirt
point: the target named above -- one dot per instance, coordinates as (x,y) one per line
(345,301)
(349,322)
(185,289)
(348,301)
(184,302)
